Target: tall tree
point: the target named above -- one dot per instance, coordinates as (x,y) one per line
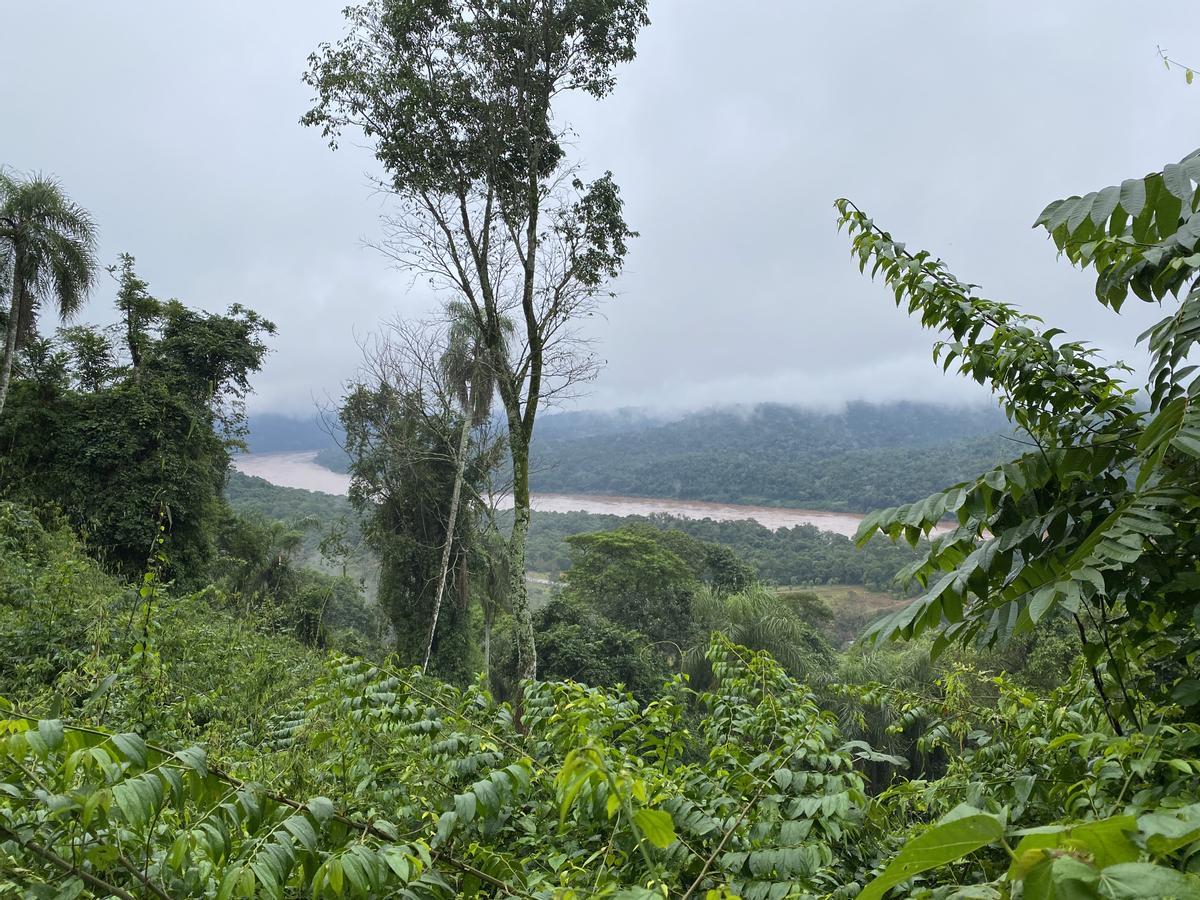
(457,97)
(637,581)
(48,242)
(403,421)
(138,311)
(467,367)
(119,452)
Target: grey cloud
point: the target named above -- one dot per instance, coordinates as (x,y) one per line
(731,135)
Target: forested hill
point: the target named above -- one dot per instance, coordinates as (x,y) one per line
(860,458)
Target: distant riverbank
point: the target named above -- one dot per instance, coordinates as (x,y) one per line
(299,470)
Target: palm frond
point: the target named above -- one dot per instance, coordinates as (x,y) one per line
(49,242)
(467,363)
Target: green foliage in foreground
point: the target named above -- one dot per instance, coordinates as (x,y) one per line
(382,781)
(162,746)
(187,666)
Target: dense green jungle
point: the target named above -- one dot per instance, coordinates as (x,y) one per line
(213,687)
(858,459)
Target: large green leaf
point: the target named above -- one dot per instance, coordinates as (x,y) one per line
(1061,878)
(941,844)
(1168,830)
(656,826)
(1146,881)
(1107,842)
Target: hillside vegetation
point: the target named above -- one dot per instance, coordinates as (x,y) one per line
(859,459)
(855,460)
(800,555)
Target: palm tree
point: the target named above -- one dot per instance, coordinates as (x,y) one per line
(48,250)
(468,371)
(757,618)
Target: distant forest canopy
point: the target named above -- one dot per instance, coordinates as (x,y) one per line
(862,457)
(802,556)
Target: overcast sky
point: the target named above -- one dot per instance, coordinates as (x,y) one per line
(731,135)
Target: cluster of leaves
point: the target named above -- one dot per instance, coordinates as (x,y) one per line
(86,810)
(403,445)
(259,568)
(577,642)
(1095,526)
(641,601)
(595,795)
(1098,521)
(179,665)
(1038,790)
(332,538)
(125,433)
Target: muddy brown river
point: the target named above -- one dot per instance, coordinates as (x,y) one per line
(299,470)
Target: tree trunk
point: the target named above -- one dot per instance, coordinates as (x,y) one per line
(459,468)
(488,614)
(518,590)
(462,581)
(10,343)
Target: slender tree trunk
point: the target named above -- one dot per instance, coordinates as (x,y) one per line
(10,343)
(488,614)
(518,590)
(459,469)
(462,581)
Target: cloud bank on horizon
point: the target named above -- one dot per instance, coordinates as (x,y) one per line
(730,135)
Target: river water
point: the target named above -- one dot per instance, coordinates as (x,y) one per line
(299,470)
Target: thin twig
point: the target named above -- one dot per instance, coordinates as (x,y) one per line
(51,857)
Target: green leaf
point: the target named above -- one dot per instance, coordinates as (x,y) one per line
(1133,195)
(1168,830)
(1061,878)
(336,875)
(941,844)
(464,805)
(1146,881)
(51,731)
(321,809)
(131,747)
(1164,426)
(1106,203)
(446,823)
(398,862)
(656,826)
(195,759)
(1177,181)
(301,829)
(1107,842)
